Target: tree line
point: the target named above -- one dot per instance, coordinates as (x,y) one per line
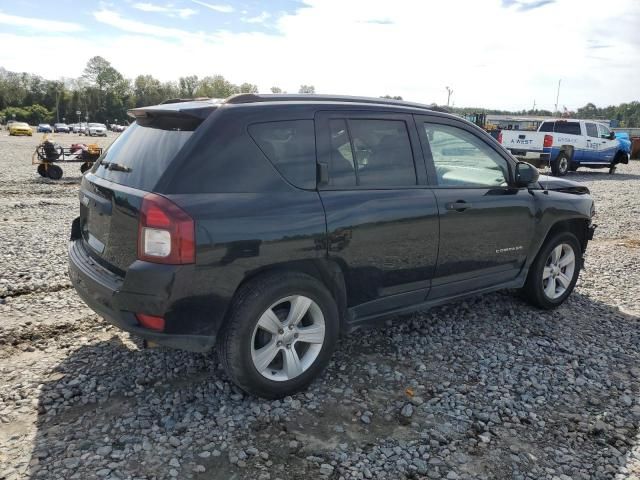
(103,94)
(625,115)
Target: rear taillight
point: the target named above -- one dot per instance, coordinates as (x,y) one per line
(151,322)
(500,137)
(166,233)
(548,141)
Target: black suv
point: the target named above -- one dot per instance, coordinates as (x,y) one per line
(266,225)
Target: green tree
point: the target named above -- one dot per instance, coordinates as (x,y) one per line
(101,74)
(216,86)
(188,86)
(248,88)
(307,89)
(147,91)
(276,90)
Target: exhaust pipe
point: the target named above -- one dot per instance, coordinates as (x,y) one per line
(149,344)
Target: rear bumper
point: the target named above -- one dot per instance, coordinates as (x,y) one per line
(103,292)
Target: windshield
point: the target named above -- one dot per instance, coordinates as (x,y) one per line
(139,156)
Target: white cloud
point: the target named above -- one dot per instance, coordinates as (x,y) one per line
(264,16)
(115,20)
(492,56)
(39,24)
(217,8)
(169,10)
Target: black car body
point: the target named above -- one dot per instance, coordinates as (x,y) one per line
(260,184)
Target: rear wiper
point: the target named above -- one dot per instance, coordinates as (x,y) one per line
(115,167)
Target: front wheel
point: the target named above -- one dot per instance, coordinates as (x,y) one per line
(554,272)
(279,335)
(54,172)
(561,165)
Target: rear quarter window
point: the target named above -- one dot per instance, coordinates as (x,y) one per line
(291,147)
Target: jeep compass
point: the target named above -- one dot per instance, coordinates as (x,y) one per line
(264,226)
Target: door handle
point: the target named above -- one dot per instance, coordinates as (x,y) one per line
(459,206)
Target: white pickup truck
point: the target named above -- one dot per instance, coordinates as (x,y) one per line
(567,145)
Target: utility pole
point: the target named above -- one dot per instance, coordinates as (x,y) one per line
(557,97)
(449,92)
(534,105)
(58,105)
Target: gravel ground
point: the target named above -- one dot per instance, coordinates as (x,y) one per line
(487,388)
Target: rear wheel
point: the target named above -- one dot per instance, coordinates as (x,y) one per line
(54,172)
(42,170)
(85,166)
(279,335)
(560,166)
(554,272)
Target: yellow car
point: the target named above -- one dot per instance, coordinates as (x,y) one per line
(20,128)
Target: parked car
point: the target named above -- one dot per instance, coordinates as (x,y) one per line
(20,128)
(226,229)
(96,130)
(61,128)
(45,128)
(9,122)
(79,128)
(568,145)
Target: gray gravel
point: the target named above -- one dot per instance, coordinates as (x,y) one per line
(487,388)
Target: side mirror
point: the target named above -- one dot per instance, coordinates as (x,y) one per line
(612,136)
(526,174)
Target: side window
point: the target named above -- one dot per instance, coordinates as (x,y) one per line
(568,128)
(341,170)
(547,127)
(592,130)
(291,147)
(383,153)
(604,131)
(370,153)
(463,160)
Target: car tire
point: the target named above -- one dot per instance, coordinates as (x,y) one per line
(554,272)
(256,347)
(560,166)
(54,172)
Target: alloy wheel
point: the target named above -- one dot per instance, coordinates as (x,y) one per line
(558,271)
(288,338)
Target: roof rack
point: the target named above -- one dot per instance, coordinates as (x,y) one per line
(182,100)
(257,98)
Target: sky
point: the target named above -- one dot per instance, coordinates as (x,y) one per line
(505,54)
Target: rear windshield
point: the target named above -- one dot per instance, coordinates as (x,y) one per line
(140,156)
(570,128)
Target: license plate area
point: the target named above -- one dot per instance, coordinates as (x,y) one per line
(96,212)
